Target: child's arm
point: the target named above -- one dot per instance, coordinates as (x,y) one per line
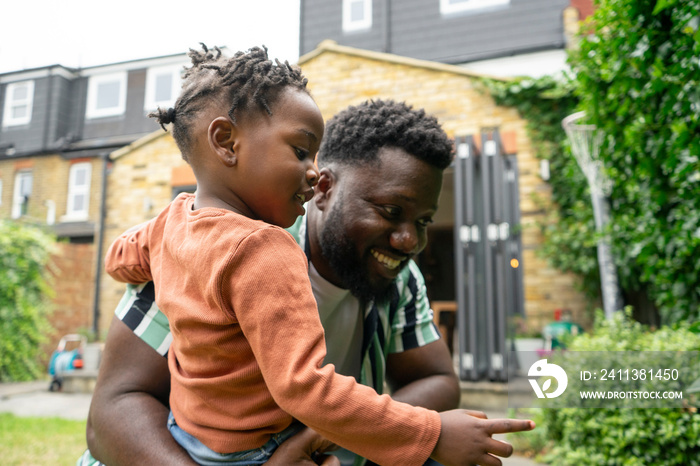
(285,334)
(128,258)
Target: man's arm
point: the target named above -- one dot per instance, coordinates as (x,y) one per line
(128,414)
(424,376)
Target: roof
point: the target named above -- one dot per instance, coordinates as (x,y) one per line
(150,137)
(333,47)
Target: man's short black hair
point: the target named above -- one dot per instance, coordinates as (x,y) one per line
(356,134)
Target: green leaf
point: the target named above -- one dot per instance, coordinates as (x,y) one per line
(660,6)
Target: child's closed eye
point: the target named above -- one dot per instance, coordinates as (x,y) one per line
(301,153)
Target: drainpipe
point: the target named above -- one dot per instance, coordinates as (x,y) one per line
(387,26)
(100,241)
(50,212)
(302,42)
(49,111)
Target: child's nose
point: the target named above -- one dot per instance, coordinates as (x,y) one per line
(312,176)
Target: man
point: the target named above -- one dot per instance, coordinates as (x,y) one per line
(381,166)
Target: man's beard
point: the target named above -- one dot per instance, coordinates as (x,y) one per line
(343,259)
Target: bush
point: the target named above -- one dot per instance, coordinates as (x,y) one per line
(627,436)
(24,255)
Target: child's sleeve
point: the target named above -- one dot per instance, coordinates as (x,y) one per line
(271,297)
(128,258)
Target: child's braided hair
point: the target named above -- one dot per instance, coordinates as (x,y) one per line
(246,79)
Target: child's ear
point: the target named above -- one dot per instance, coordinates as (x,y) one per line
(325,188)
(222,137)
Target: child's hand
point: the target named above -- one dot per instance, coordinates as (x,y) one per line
(305,448)
(465,438)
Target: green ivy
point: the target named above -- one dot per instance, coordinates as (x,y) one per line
(568,228)
(24,255)
(637,77)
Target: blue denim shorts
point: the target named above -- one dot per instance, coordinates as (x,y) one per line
(207,457)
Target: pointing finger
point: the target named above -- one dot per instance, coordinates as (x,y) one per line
(503,426)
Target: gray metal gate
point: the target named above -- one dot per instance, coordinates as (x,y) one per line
(488,254)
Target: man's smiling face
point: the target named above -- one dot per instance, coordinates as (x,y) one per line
(378,219)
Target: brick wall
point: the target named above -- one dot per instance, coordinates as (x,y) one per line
(72,272)
(341,76)
(50,183)
(585,8)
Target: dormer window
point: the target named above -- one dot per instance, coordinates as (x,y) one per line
(163,85)
(19,98)
(106,95)
(357,15)
(456,6)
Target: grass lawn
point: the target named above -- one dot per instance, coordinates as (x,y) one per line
(39,441)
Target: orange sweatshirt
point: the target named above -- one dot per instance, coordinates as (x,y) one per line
(248,345)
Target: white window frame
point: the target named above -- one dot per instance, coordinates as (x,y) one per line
(446,7)
(152,74)
(73,215)
(93,86)
(348,24)
(17,196)
(10,103)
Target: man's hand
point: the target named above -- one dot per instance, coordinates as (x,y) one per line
(465,439)
(305,448)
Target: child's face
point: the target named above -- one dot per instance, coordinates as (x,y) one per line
(276,157)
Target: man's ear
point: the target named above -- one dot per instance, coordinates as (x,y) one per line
(325,188)
(222,138)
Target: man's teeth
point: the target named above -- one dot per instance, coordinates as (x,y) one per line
(388,262)
(301,197)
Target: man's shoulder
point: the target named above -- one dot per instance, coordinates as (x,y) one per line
(409,277)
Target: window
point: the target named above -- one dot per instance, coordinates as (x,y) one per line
(23,189)
(357,15)
(78,192)
(106,95)
(19,98)
(456,6)
(162,86)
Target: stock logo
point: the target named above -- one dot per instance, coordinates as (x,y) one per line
(543,369)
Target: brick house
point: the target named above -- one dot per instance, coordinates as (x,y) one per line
(57,127)
(147,174)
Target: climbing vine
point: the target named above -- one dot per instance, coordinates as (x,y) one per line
(636,74)
(568,228)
